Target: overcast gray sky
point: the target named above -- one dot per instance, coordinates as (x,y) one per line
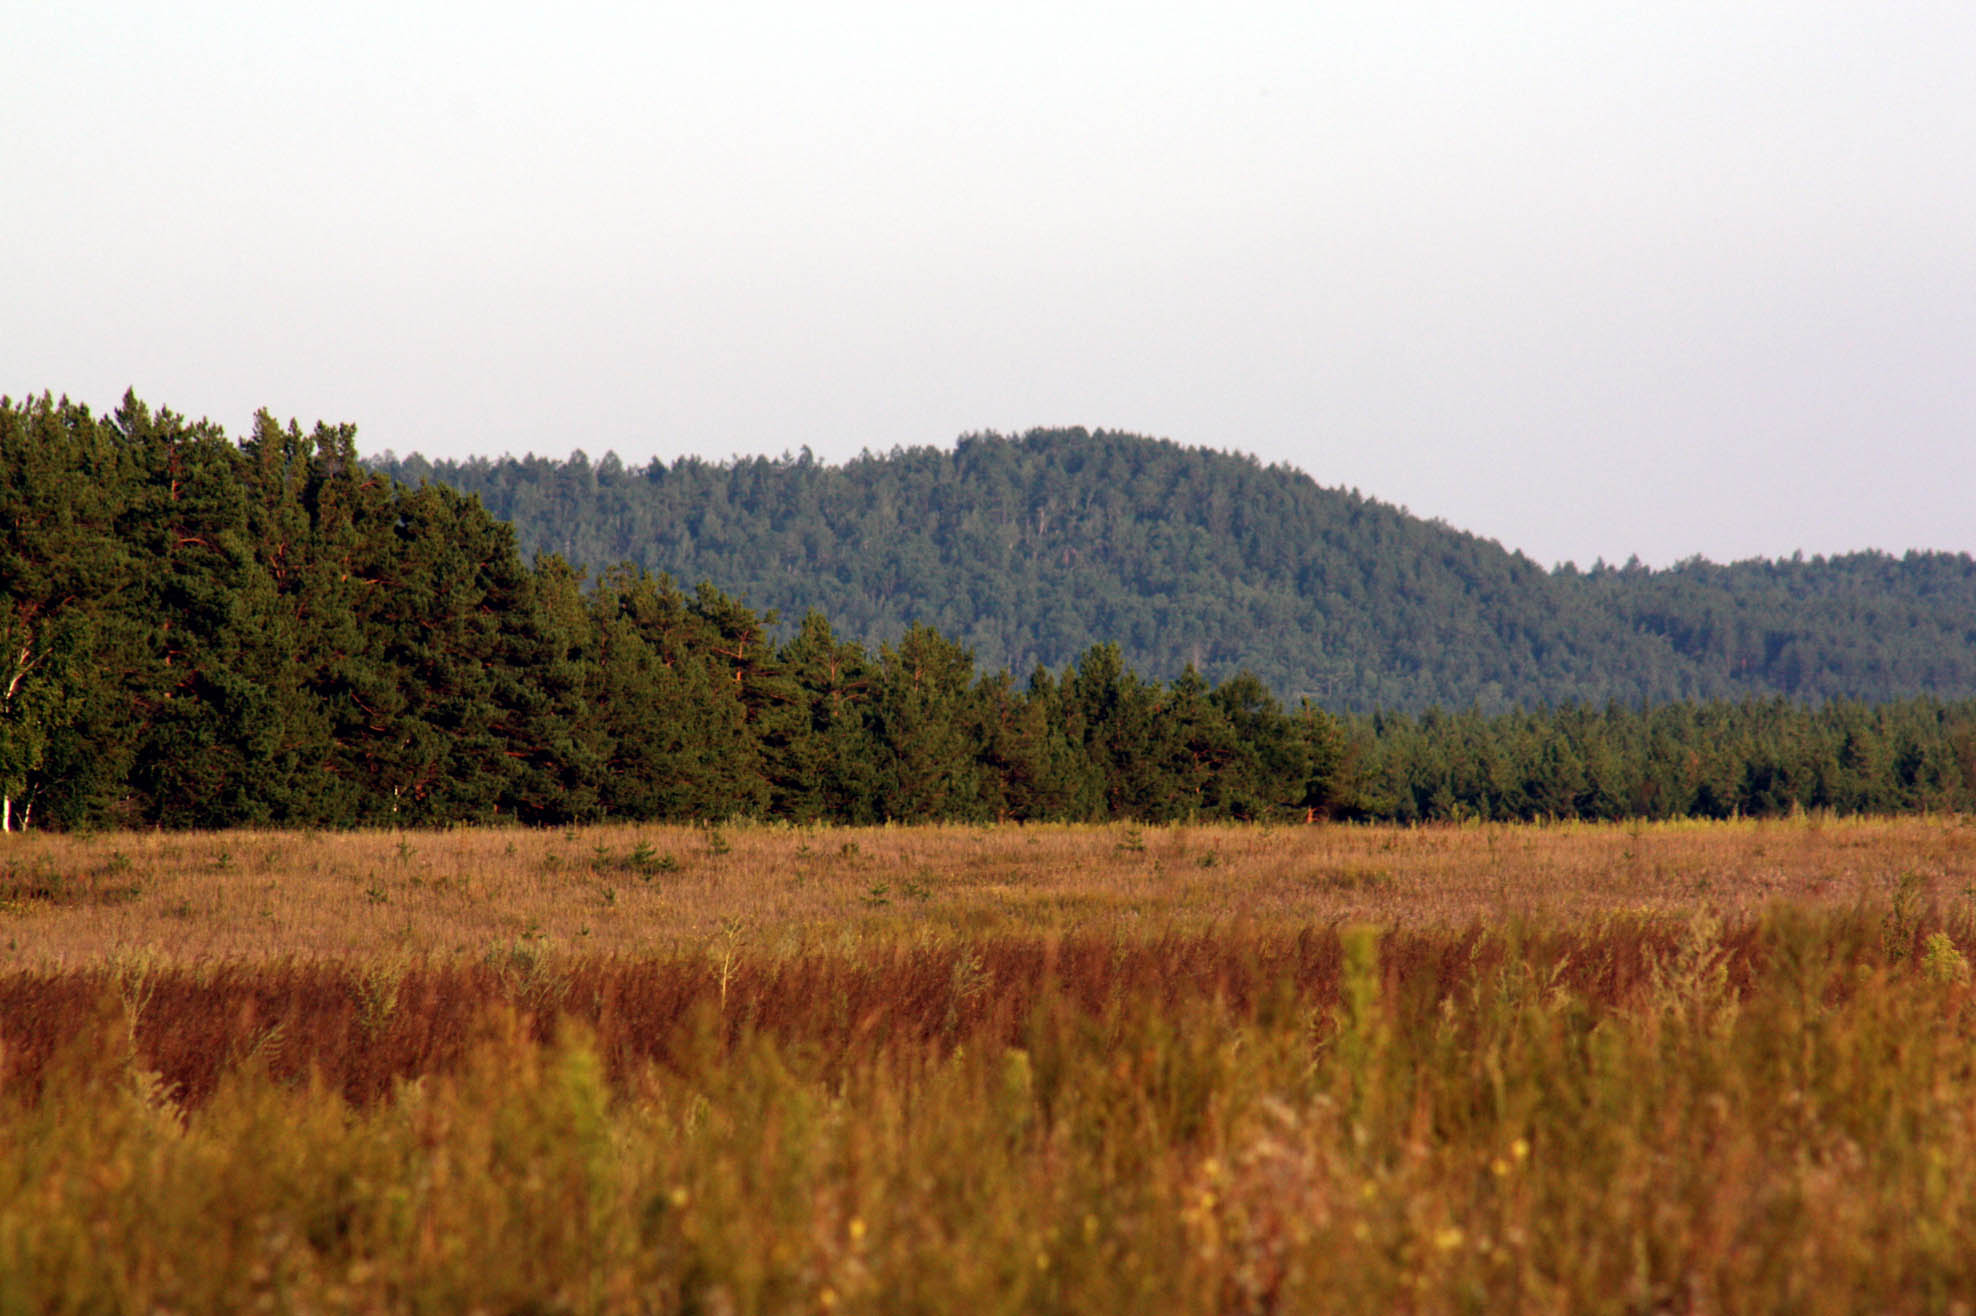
(1591,279)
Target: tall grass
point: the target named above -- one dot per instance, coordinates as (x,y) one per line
(1733,1101)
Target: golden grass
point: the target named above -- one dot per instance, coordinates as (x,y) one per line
(1695,1068)
(180,898)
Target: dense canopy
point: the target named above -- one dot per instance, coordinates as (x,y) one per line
(1030,550)
(196,632)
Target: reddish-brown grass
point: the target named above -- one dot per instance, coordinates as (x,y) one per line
(359,1029)
(1210,1070)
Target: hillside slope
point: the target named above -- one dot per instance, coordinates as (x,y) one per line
(1031,549)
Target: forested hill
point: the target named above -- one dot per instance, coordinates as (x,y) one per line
(199,632)
(1029,550)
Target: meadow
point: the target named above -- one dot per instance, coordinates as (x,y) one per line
(1652,1067)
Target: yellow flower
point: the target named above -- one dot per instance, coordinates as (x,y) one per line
(1448,1238)
(1520,1149)
(857,1229)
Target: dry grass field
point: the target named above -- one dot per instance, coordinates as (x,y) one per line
(1675,1067)
(235,897)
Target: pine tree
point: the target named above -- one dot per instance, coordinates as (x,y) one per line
(925,726)
(67,729)
(825,767)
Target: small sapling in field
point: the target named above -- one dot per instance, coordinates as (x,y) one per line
(648,863)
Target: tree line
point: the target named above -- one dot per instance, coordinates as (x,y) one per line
(1031,549)
(1714,759)
(199,632)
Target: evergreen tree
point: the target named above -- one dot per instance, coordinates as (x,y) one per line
(824,767)
(925,723)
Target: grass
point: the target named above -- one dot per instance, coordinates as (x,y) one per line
(1676,1068)
(641,891)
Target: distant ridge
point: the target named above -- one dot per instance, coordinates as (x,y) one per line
(1030,549)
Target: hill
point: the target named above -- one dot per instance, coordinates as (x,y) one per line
(1031,549)
(199,632)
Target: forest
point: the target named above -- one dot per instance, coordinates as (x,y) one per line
(1031,550)
(199,632)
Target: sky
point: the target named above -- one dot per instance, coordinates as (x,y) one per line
(1595,280)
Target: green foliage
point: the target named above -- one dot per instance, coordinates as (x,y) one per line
(198,633)
(1755,758)
(1032,550)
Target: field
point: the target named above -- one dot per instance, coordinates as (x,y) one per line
(1681,1067)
